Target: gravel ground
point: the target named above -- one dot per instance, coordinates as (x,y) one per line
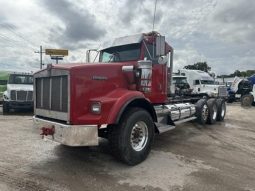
(191,157)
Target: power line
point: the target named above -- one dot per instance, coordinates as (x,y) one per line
(13,42)
(10,28)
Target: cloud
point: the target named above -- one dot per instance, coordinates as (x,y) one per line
(6,25)
(219,32)
(79,25)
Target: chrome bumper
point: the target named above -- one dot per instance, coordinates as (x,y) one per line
(71,135)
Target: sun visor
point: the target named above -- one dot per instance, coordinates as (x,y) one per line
(133,39)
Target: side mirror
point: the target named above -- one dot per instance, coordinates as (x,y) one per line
(88,53)
(160,46)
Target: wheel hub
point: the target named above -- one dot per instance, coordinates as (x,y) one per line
(246,101)
(139,136)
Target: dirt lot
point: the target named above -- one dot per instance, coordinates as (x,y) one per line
(191,157)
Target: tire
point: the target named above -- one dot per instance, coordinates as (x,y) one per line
(221,109)
(212,107)
(202,111)
(230,100)
(125,138)
(6,108)
(246,100)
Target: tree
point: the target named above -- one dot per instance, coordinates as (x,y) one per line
(237,73)
(199,66)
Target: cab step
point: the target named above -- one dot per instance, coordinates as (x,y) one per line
(184,120)
(164,128)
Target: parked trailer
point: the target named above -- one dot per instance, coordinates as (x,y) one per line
(124,98)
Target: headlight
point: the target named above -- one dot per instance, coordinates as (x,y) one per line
(96,107)
(213,94)
(5,97)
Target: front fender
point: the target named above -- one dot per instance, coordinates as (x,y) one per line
(113,102)
(6,97)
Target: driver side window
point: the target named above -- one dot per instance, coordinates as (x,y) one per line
(106,57)
(196,82)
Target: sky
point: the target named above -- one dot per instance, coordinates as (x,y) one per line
(220,32)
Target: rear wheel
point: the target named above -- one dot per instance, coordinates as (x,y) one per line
(221,109)
(131,140)
(212,108)
(246,100)
(6,108)
(202,111)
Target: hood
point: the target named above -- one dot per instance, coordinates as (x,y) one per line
(212,88)
(19,87)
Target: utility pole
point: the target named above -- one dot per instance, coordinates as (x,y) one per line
(40,52)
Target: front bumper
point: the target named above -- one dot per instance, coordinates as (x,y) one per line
(21,104)
(70,135)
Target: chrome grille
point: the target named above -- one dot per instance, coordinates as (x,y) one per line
(21,95)
(52,93)
(223,91)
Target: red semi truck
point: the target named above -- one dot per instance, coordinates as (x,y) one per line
(125,98)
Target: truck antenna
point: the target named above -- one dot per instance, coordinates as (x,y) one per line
(155,7)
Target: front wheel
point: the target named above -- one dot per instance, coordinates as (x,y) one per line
(6,108)
(131,140)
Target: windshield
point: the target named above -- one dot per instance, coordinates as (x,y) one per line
(20,79)
(180,81)
(207,82)
(121,53)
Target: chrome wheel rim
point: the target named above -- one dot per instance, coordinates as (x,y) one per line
(214,112)
(139,136)
(222,110)
(205,112)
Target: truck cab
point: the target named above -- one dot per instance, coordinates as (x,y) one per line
(203,84)
(242,89)
(19,92)
(180,85)
(124,98)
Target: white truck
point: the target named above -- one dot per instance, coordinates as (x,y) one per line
(203,84)
(19,93)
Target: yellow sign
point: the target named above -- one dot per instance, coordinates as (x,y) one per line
(59,52)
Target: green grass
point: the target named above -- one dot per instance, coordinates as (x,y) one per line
(4,75)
